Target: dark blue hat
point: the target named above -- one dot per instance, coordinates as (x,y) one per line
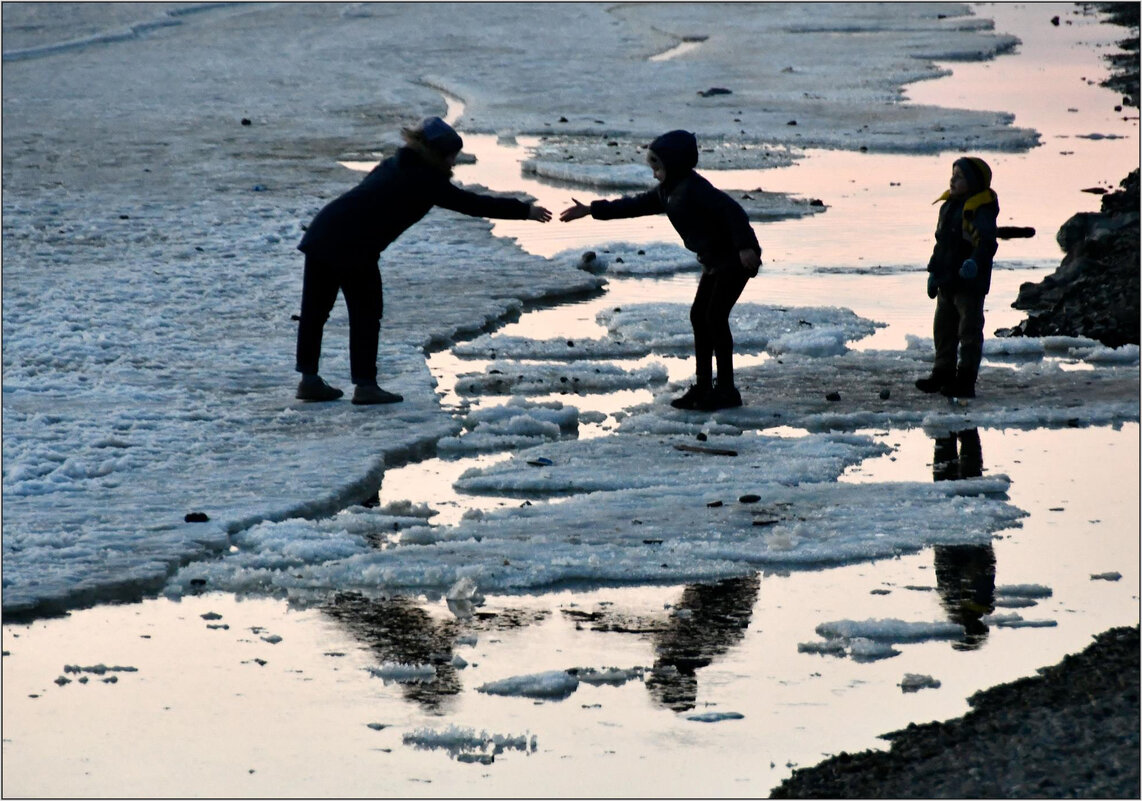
(440,136)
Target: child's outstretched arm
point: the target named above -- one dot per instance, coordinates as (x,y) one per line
(623,207)
(574,212)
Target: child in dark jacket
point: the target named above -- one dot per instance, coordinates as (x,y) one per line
(716,228)
(343,245)
(959,277)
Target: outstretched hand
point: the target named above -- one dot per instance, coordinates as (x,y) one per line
(575,212)
(538,213)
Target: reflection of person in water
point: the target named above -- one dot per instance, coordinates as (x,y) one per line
(965,574)
(708,621)
(398,630)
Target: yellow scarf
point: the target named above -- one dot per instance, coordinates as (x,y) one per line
(970,205)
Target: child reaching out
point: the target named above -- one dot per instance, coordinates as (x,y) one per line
(716,228)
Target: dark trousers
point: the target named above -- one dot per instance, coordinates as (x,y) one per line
(958,331)
(360,283)
(710,316)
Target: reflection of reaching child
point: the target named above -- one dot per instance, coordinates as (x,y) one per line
(343,244)
(959,277)
(714,226)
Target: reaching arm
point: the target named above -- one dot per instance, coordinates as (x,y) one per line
(476,205)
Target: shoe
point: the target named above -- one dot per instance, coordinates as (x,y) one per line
(693,398)
(370,394)
(958,389)
(933,383)
(722,398)
(313,388)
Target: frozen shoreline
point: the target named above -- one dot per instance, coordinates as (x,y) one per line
(252,187)
(76,361)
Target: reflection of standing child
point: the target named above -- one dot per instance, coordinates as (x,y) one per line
(713,225)
(959,277)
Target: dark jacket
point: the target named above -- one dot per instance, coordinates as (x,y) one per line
(710,222)
(399,191)
(966,230)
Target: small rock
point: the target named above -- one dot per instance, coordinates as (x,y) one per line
(714,504)
(833,396)
(715,90)
(749,498)
(885,394)
(211,616)
(196,517)
(246,121)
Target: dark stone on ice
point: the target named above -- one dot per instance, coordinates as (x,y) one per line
(715,90)
(246,121)
(714,504)
(701,437)
(749,498)
(833,396)
(196,517)
(885,394)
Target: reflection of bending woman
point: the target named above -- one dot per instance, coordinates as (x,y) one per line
(965,574)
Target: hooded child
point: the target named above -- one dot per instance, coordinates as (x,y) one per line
(715,227)
(343,244)
(959,277)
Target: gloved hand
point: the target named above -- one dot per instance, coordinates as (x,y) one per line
(933,285)
(969,269)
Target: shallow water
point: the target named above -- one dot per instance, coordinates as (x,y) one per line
(227,712)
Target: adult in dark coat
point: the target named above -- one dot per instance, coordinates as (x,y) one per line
(717,229)
(959,277)
(343,244)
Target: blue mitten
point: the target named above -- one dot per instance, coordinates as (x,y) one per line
(933,285)
(969,269)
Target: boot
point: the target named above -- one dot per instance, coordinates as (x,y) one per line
(313,388)
(371,394)
(724,396)
(935,382)
(959,387)
(693,398)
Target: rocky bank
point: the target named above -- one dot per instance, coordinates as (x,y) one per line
(1094,292)
(1070,732)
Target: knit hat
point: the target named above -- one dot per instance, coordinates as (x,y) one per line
(440,136)
(976,171)
(678,152)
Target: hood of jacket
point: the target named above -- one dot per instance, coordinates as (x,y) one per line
(678,152)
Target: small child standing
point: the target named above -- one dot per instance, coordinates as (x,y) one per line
(715,227)
(959,277)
